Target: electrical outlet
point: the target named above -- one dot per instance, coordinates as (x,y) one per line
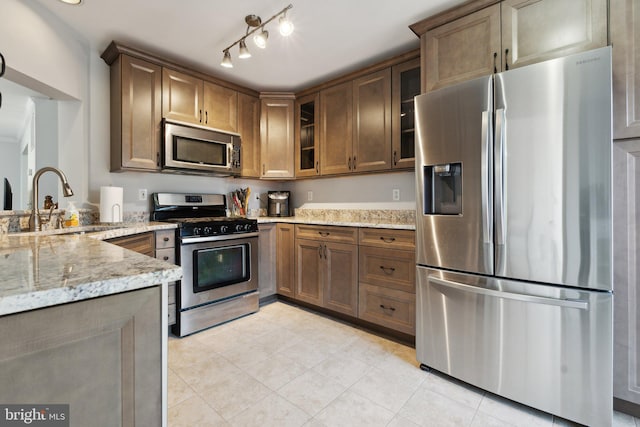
(309,196)
(142,194)
(396,194)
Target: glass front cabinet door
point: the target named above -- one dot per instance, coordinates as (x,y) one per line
(307,153)
(406,85)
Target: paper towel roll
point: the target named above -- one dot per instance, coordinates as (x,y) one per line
(111,204)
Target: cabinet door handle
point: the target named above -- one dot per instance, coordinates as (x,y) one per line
(263,169)
(206,117)
(349,163)
(387,270)
(325,251)
(320,251)
(323,233)
(495,63)
(384,307)
(2,65)
(354,162)
(388,239)
(506,62)
(395,158)
(200,116)
(317,167)
(157,158)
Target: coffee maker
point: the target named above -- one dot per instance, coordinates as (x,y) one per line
(278,203)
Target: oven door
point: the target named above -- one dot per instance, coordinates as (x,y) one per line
(215,268)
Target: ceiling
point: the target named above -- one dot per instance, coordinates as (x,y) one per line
(331,37)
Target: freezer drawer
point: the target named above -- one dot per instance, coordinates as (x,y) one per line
(545,346)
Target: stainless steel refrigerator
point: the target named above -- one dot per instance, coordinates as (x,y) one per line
(513,232)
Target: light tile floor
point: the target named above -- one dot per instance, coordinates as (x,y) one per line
(285,366)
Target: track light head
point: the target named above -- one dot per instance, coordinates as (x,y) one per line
(226,60)
(244,52)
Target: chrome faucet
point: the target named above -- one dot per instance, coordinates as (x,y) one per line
(34,218)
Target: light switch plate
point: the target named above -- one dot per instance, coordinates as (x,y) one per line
(142,194)
(396,194)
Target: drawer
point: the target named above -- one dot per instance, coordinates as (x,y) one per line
(388,307)
(387,238)
(388,267)
(167,254)
(172,293)
(165,239)
(172,314)
(327,233)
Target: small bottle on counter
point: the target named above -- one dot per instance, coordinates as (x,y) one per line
(71,216)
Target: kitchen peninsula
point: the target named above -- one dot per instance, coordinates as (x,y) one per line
(85,319)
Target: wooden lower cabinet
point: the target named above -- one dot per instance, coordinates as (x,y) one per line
(365,273)
(327,267)
(267,260)
(285,259)
(388,307)
(340,281)
(102,357)
(309,271)
(387,278)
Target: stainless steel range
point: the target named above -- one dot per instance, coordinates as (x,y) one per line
(219,259)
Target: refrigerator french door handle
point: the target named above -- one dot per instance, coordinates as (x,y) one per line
(499,176)
(486,187)
(567,303)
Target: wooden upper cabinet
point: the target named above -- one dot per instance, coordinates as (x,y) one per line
(625,38)
(537,30)
(463,49)
(249,129)
(307,135)
(181,96)
(220,107)
(136,100)
(372,122)
(276,136)
(336,129)
(405,85)
(507,35)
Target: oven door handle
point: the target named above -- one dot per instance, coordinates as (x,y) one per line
(237,236)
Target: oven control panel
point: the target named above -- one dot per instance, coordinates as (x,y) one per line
(219,227)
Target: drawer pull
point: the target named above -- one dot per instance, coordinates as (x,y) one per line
(323,233)
(384,307)
(166,239)
(387,270)
(165,258)
(388,239)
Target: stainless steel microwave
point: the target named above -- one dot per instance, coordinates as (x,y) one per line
(191,149)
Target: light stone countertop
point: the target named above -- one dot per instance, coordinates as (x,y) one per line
(39,270)
(345,223)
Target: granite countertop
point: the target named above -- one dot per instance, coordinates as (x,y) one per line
(46,270)
(345,223)
(104,231)
(396,215)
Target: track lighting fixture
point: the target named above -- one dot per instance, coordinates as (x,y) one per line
(255,25)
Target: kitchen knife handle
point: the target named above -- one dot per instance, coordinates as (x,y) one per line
(499,176)
(3,67)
